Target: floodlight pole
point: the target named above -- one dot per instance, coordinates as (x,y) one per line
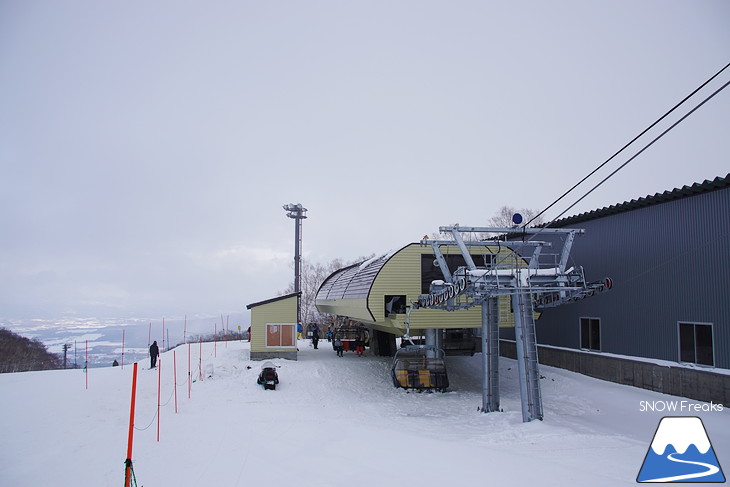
(298,213)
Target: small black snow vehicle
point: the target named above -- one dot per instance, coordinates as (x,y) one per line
(420,367)
(268,376)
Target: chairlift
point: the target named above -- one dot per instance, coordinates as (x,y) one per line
(420,367)
(349,336)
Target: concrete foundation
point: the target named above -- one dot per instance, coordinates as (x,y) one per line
(702,385)
(271,355)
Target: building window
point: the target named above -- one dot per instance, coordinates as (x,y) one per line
(395,305)
(590,333)
(430,270)
(695,343)
(280,335)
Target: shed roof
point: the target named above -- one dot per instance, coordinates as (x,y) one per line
(655,199)
(273,300)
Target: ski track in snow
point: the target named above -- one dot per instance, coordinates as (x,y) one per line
(331,421)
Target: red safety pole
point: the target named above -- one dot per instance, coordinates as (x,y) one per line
(200,359)
(190,377)
(128,461)
(86,364)
(123,348)
(174,375)
(159,375)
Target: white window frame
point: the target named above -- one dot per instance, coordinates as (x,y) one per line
(294,335)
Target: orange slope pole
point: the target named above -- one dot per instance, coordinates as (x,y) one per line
(128,461)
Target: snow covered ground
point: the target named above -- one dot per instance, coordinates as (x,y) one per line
(331,421)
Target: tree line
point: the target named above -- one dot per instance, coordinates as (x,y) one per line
(21,354)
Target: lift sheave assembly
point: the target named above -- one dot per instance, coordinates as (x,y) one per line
(533,279)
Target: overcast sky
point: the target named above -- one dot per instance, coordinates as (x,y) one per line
(147,148)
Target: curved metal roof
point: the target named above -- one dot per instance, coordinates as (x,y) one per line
(352,282)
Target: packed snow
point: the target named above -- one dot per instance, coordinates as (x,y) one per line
(330,421)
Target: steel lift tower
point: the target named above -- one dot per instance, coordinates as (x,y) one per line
(298,213)
(530,278)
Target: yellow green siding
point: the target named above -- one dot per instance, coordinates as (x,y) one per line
(279,311)
(401,275)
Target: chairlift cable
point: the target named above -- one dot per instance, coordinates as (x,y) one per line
(640,152)
(712,95)
(627,145)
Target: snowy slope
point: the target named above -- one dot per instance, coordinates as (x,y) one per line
(331,421)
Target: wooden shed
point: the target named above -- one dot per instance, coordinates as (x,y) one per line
(274,328)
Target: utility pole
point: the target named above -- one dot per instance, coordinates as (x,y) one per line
(298,213)
(65,350)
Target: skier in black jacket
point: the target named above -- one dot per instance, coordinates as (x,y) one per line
(154,352)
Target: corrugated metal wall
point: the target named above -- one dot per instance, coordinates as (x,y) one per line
(669,262)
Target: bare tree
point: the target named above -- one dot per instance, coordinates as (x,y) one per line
(312,276)
(502,218)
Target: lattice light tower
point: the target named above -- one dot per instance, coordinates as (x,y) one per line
(298,213)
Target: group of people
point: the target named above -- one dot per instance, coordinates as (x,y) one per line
(339,347)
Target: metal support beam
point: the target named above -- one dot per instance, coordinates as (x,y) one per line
(464,251)
(567,245)
(490,355)
(527,365)
(431,341)
(442,262)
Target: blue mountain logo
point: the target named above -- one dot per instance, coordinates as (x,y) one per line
(681,452)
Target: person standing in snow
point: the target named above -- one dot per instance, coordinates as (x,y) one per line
(338,346)
(315,338)
(154,352)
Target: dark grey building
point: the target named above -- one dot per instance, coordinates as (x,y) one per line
(669,258)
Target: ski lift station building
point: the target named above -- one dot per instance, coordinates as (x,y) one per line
(377,293)
(664,326)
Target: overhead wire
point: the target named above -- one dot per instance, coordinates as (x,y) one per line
(543,227)
(640,152)
(630,143)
